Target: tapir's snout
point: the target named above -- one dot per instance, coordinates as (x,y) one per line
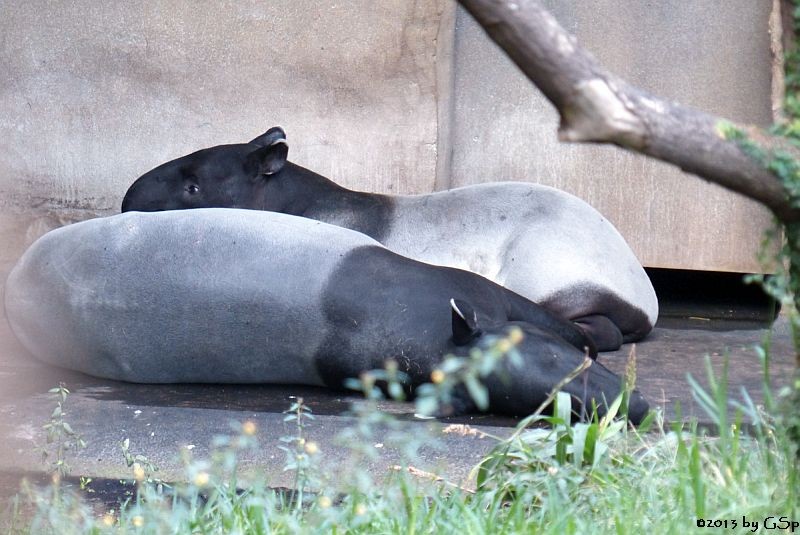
(126,203)
(638,407)
(130,205)
(146,195)
(547,360)
(604,387)
(131,200)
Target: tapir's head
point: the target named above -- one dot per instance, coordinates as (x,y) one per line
(227,176)
(546,359)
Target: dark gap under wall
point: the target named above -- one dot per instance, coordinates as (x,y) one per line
(710,300)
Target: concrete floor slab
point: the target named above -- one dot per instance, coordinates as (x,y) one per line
(160,420)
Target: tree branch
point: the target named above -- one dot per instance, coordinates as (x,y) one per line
(597,106)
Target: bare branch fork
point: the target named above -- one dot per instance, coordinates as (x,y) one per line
(597,106)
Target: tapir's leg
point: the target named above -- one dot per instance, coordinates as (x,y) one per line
(603,331)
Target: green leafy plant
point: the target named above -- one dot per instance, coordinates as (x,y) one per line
(455,372)
(790,128)
(61,438)
(510,466)
(143,470)
(300,453)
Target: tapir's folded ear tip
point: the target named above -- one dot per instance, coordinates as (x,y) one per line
(269,137)
(454,306)
(277,129)
(464,322)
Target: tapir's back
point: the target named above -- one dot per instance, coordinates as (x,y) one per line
(540,242)
(181,272)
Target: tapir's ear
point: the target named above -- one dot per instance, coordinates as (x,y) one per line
(270,159)
(465,322)
(269,137)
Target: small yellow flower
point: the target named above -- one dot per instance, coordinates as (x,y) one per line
(311,448)
(325,502)
(108,519)
(515,335)
(201,479)
(504,345)
(361,509)
(138,472)
(249,428)
(437,376)
(367,379)
(138,521)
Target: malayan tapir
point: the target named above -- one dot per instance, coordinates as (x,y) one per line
(540,242)
(236,296)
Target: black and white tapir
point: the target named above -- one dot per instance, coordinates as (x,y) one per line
(235,296)
(542,243)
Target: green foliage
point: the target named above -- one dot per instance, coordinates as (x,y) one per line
(436,397)
(61,438)
(778,161)
(143,470)
(790,252)
(785,285)
(391,377)
(508,468)
(300,453)
(791,107)
(510,464)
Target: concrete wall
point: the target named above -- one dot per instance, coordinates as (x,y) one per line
(710,54)
(93,94)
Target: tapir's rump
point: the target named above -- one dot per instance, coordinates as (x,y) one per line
(178,296)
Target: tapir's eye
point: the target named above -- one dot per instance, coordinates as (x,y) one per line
(193,189)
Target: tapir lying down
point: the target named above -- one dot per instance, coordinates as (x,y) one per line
(542,243)
(236,296)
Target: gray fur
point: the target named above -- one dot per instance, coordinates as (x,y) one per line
(120,298)
(537,241)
